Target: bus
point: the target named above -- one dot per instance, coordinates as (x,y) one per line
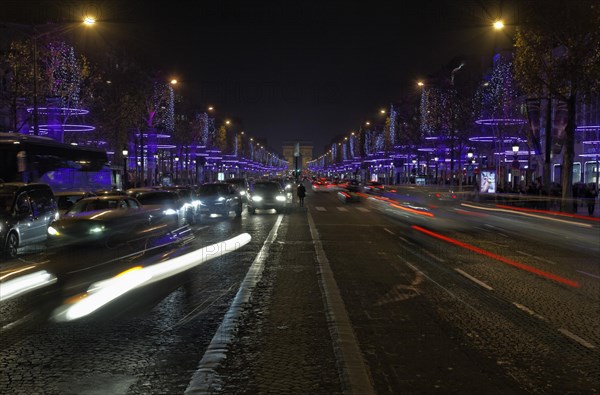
(62,166)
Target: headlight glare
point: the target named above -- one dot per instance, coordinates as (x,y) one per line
(256,198)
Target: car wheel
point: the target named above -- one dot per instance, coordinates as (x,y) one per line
(12,245)
(251,210)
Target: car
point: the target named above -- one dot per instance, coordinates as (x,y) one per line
(66,199)
(166,205)
(101,219)
(219,198)
(350,185)
(188,194)
(113,191)
(265,195)
(374,187)
(26,211)
(242,186)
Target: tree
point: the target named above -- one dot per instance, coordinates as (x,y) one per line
(558,52)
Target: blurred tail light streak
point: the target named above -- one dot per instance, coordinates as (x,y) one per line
(103,292)
(510,209)
(519,265)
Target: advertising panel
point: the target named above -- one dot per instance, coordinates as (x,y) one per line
(488,181)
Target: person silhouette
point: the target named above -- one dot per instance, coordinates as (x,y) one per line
(301,192)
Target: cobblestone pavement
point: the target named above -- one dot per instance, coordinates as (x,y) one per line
(283,344)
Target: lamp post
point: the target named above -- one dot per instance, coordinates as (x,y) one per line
(515,163)
(469,166)
(176,169)
(436,170)
(88,21)
(125,152)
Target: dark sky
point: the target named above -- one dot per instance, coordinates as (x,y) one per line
(293,70)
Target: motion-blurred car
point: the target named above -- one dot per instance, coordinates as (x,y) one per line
(66,199)
(165,205)
(100,219)
(265,195)
(219,198)
(373,187)
(26,210)
(351,185)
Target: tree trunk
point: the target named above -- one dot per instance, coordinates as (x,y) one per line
(568,156)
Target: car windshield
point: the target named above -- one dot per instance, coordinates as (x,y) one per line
(156,198)
(66,201)
(212,189)
(266,188)
(95,205)
(6,202)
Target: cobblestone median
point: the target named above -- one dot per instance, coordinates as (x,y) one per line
(283,344)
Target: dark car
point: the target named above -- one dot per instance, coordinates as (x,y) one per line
(265,195)
(188,194)
(166,205)
(219,198)
(242,187)
(26,211)
(374,187)
(66,199)
(101,218)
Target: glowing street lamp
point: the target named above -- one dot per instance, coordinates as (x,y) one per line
(420,83)
(125,152)
(498,24)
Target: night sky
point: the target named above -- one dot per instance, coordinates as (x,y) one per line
(292,70)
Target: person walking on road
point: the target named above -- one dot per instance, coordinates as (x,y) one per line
(301,192)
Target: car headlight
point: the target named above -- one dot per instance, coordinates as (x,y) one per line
(52,231)
(220,199)
(288,186)
(169,211)
(97,229)
(256,198)
(280,198)
(242,193)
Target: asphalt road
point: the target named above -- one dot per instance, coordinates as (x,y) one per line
(362,297)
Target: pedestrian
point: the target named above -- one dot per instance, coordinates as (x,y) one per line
(590,195)
(301,192)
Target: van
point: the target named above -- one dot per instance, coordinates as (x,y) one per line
(26,211)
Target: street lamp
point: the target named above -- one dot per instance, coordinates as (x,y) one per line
(125,152)
(515,163)
(499,24)
(88,21)
(436,170)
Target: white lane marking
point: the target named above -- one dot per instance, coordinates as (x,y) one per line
(432,255)
(206,379)
(389,231)
(578,339)
(321,208)
(351,365)
(536,257)
(342,208)
(364,210)
(528,310)
(588,274)
(406,241)
(475,280)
